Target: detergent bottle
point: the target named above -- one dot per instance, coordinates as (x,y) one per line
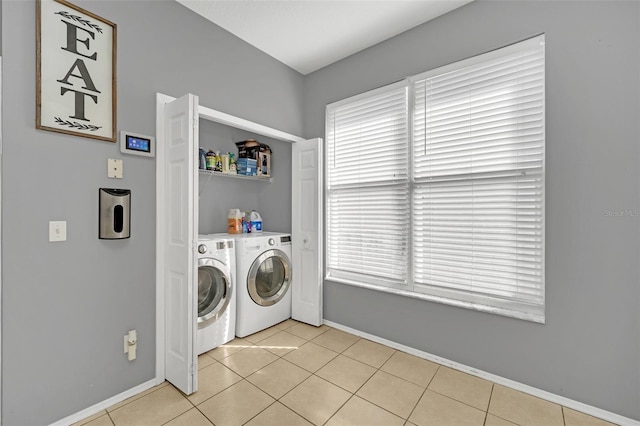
(234,222)
(210,160)
(232,164)
(256,221)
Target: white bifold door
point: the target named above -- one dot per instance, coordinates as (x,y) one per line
(306,231)
(180,236)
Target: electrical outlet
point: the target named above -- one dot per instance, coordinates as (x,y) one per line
(57,230)
(131,344)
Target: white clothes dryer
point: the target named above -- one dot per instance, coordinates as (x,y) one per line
(216,292)
(264,280)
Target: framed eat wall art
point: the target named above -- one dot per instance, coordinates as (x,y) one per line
(75,71)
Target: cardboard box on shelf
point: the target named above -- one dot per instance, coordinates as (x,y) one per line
(248,149)
(264,161)
(254,150)
(247,166)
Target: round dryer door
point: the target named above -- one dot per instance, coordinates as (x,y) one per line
(214,289)
(269,277)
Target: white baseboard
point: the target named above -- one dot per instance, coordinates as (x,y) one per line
(561,400)
(104,404)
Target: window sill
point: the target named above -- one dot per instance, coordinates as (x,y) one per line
(540,319)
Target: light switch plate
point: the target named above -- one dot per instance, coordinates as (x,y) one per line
(114,168)
(57,230)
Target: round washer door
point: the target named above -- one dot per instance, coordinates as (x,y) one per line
(214,289)
(269,277)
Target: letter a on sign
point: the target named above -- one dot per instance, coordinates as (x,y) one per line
(76,71)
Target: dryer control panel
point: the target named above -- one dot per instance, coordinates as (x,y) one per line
(284,240)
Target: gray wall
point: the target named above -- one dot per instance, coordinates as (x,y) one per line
(67,305)
(218,194)
(588,350)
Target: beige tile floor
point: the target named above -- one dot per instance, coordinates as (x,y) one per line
(296,374)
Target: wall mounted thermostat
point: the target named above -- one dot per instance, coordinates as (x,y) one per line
(135,144)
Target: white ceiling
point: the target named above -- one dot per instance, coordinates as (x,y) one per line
(310,34)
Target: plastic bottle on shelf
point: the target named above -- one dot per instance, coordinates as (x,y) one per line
(202,159)
(210,160)
(218,165)
(225,162)
(233,169)
(234,222)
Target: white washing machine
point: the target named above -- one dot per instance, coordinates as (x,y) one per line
(216,292)
(263,280)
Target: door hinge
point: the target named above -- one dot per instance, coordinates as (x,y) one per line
(194,369)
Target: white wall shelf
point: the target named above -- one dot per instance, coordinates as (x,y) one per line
(236,176)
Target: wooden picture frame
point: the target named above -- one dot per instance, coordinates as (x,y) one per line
(76,90)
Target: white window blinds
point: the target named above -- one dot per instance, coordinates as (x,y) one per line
(478,169)
(368,187)
(435,185)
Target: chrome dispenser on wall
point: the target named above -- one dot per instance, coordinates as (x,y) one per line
(114,211)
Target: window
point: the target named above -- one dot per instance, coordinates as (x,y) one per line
(435,185)
(368,189)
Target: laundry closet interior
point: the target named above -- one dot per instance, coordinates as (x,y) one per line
(219,193)
(213,285)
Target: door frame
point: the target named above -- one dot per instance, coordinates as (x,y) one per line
(160,236)
(1,257)
(207,114)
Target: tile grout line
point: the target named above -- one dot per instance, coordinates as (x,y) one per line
(204,415)
(423,392)
(265,408)
(137,397)
(493,386)
(277,400)
(219,392)
(322,378)
(351,394)
(313,373)
(110,419)
(486,414)
(339,408)
(180,414)
(377,370)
